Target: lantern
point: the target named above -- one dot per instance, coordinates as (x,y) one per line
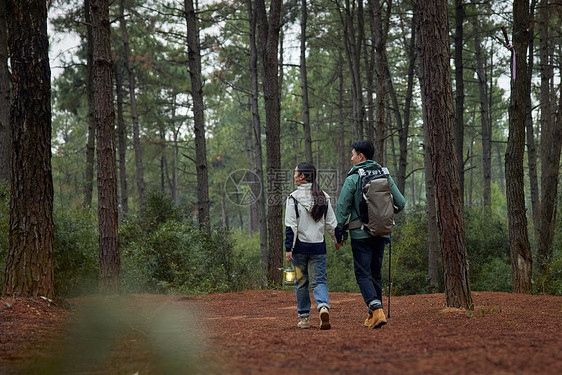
(289,276)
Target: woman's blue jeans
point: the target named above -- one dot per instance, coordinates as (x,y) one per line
(310,267)
(367,260)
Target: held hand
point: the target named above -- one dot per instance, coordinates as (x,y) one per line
(289,256)
(338,245)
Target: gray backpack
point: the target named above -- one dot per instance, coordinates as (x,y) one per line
(376,209)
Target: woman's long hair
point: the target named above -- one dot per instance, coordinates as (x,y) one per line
(320,206)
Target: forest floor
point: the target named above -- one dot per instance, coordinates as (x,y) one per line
(255,332)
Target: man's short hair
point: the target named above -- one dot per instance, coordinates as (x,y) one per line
(364,147)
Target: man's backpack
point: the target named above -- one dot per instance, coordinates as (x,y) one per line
(376,209)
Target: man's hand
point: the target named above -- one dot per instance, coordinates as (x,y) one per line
(289,256)
(338,245)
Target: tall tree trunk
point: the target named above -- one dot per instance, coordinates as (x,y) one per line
(91,143)
(268,32)
(486,128)
(501,173)
(194,53)
(121,139)
(252,209)
(304,87)
(258,156)
(133,98)
(175,151)
(343,150)
(435,81)
(29,263)
(403,131)
(380,81)
(531,145)
(521,260)
(431,212)
(353,41)
(550,150)
(110,258)
(369,58)
(163,160)
(459,93)
(5,130)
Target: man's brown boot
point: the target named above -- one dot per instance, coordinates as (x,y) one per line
(369,321)
(378,319)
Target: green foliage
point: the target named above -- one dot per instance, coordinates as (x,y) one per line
(550,282)
(75,252)
(495,275)
(247,258)
(339,268)
(409,254)
(487,245)
(165,253)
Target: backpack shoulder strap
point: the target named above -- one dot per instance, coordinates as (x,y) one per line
(296,205)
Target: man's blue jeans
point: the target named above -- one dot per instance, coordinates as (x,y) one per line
(310,267)
(367,260)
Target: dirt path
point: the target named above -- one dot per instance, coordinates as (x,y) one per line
(254,332)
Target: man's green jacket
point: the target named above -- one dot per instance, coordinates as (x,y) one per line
(347,209)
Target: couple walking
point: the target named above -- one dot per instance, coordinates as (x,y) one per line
(308,210)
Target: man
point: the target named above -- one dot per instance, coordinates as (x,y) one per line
(368,250)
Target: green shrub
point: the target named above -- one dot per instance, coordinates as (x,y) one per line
(75,252)
(246,260)
(487,246)
(163,252)
(339,268)
(494,276)
(409,254)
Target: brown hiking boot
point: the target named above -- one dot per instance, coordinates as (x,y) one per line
(325,318)
(369,321)
(378,320)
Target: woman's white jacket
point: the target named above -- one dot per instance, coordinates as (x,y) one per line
(309,233)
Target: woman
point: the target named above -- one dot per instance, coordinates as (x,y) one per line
(307,210)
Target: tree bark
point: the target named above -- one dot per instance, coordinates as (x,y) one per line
(122,139)
(431,211)
(194,55)
(369,62)
(29,263)
(5,129)
(304,87)
(550,150)
(435,81)
(257,132)
(484,111)
(133,98)
(403,127)
(353,41)
(381,82)
(268,32)
(91,143)
(531,144)
(343,149)
(176,151)
(110,258)
(459,93)
(521,260)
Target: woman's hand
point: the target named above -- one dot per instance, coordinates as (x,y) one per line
(289,256)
